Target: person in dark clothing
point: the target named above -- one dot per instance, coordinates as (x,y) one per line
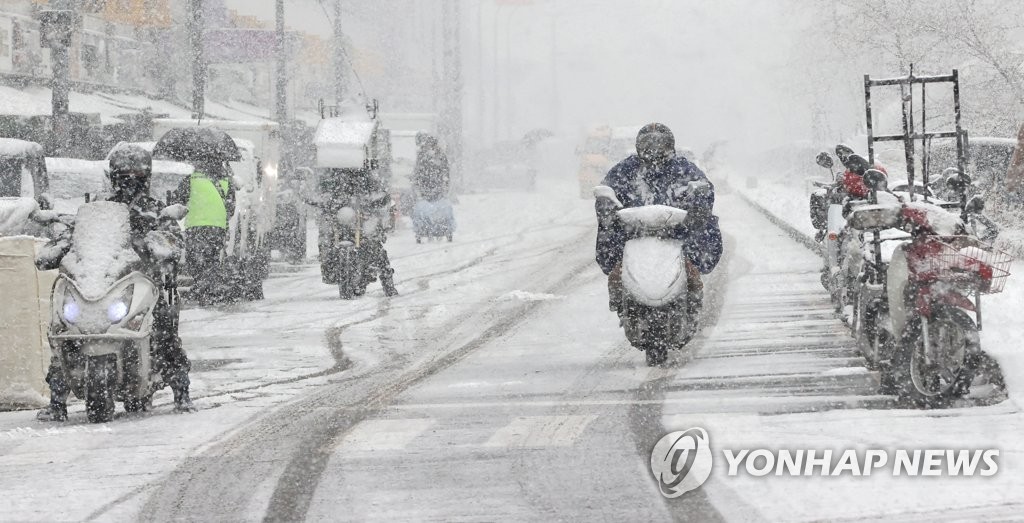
(656,175)
(129,172)
(209,194)
(357,189)
(430,175)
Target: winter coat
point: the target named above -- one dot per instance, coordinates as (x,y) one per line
(430,175)
(670,185)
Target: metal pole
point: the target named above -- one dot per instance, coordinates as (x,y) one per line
(494,94)
(195,34)
(456,92)
(339,55)
(867,109)
(555,102)
(60,88)
(280,89)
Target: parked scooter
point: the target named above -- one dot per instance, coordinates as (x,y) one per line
(102,310)
(928,349)
(653,311)
(827,217)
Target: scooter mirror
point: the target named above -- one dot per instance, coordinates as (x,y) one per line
(876,180)
(824,160)
(958,182)
(975,205)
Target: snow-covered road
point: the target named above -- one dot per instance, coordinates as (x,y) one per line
(498,386)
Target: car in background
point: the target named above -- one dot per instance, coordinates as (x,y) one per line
(602,148)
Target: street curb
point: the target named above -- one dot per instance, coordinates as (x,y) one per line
(791,231)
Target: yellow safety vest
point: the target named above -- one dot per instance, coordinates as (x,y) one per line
(206,205)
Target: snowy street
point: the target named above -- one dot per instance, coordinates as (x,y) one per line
(498,386)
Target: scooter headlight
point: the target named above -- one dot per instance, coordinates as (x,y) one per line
(71,312)
(118,309)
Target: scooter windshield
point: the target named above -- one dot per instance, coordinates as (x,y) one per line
(101,251)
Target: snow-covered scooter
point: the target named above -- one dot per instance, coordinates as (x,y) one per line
(653,311)
(934,284)
(102,311)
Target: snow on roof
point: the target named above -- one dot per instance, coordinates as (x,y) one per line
(15,147)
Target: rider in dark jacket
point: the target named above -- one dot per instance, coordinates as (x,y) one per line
(657,175)
(129,173)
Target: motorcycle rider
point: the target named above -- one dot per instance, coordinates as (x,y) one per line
(337,188)
(657,175)
(129,172)
(430,175)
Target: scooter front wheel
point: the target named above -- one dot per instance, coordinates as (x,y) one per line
(934,374)
(101,379)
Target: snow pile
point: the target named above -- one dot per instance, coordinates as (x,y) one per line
(518,295)
(101,248)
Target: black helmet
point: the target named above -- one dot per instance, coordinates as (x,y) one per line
(130,168)
(857,164)
(843,152)
(655,143)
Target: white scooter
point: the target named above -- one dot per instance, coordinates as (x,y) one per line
(653,309)
(102,311)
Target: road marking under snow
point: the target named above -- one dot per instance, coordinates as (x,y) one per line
(383,434)
(540,431)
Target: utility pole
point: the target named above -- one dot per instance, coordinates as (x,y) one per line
(57,26)
(339,55)
(195,41)
(280,94)
(456,91)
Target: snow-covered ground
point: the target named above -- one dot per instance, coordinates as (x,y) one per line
(499,386)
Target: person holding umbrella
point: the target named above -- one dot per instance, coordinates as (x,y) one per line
(209,194)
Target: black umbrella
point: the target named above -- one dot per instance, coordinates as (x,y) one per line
(196,145)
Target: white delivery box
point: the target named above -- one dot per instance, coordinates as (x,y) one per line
(346,143)
(24,320)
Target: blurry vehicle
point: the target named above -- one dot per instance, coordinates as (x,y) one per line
(602,148)
(73,180)
(24,186)
(24,353)
(399,158)
(354,204)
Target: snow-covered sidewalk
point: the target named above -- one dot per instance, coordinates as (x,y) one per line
(779,373)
